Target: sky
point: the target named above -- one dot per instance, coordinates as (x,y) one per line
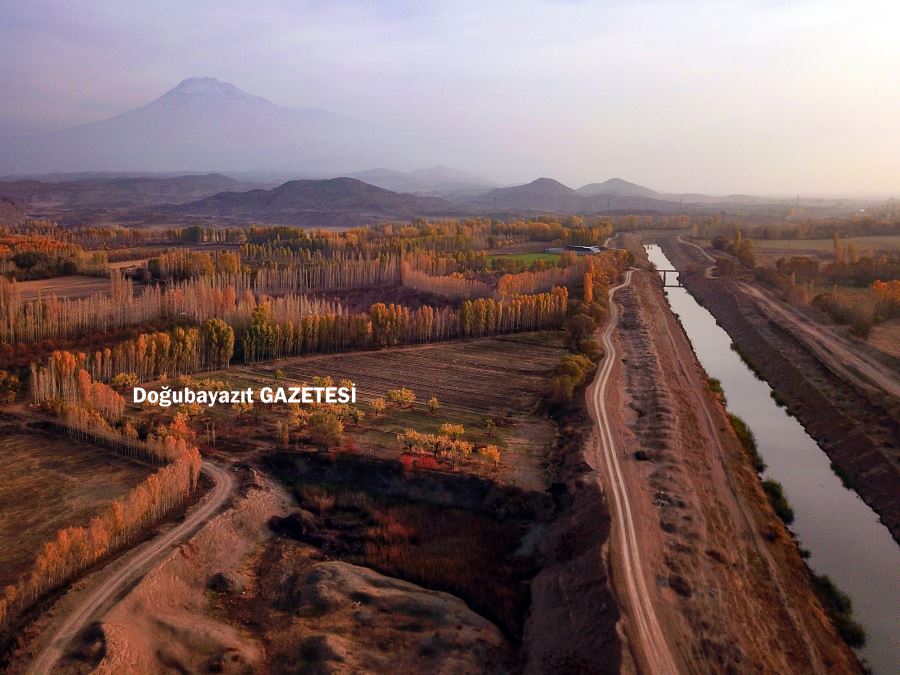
(719,97)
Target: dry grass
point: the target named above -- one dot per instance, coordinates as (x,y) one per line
(50,482)
(886,337)
(74,286)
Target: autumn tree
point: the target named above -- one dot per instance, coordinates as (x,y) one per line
(433,405)
(402,398)
(378,405)
(218,342)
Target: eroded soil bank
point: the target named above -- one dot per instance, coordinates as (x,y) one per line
(858,430)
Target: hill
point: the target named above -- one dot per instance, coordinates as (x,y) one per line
(332,202)
(618,188)
(117,192)
(543,194)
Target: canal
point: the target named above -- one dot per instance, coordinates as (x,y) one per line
(843,535)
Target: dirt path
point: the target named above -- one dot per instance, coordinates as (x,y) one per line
(650,642)
(708,578)
(839,353)
(135,565)
(836,351)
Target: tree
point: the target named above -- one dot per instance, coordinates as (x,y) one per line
(490,454)
(378,405)
(454,431)
(433,405)
(218,341)
(588,288)
(489,427)
(402,398)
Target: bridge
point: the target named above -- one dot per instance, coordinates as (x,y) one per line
(673,281)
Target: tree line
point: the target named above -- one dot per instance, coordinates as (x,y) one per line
(92,411)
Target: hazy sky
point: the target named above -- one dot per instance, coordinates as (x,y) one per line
(760,97)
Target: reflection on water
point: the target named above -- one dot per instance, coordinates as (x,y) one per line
(843,535)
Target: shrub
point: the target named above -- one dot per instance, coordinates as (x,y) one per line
(840,609)
(778,500)
(434,405)
(748,441)
(325,429)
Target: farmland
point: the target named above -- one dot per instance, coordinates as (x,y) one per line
(75,286)
(528,258)
(503,379)
(769,250)
(51,482)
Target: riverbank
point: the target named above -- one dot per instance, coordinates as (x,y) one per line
(857,429)
(839,534)
(727,579)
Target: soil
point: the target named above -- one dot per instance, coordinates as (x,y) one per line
(730,589)
(858,429)
(51,482)
(69,287)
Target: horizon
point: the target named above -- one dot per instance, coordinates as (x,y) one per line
(705,98)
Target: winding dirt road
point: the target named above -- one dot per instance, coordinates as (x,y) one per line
(647,632)
(132,567)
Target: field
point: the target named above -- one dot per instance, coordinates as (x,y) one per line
(503,379)
(74,286)
(769,250)
(527,258)
(51,482)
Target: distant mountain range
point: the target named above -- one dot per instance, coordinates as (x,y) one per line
(331,202)
(440,181)
(550,196)
(364,197)
(118,192)
(205,124)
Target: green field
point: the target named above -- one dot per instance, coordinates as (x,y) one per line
(527,258)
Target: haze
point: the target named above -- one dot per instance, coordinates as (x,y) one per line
(755,97)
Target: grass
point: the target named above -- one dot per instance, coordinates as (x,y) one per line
(51,482)
(840,609)
(526,258)
(877,243)
(775,492)
(748,441)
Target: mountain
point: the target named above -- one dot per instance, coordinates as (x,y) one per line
(117,192)
(618,188)
(550,196)
(332,202)
(204,124)
(435,181)
(543,194)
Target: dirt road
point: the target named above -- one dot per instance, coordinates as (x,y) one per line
(132,567)
(838,352)
(842,355)
(652,643)
(707,577)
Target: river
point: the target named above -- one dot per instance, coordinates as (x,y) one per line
(843,535)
